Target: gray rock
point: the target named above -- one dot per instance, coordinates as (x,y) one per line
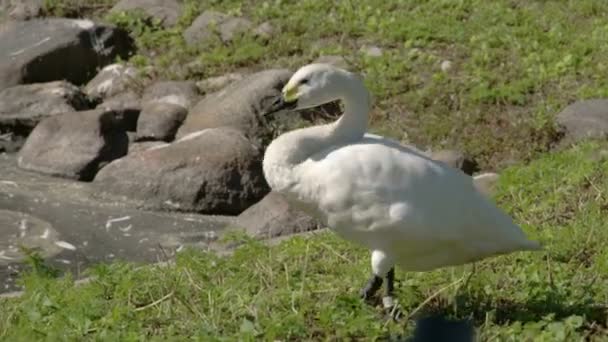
(210,23)
(160,121)
(216,83)
(457,160)
(126,101)
(43,50)
(22,9)
(240,105)
(233,27)
(73,228)
(22,107)
(112,80)
(127,106)
(273,217)
(215,171)
(203,27)
(141,146)
(264,31)
(585,119)
(181,93)
(167,12)
(371,51)
(74,145)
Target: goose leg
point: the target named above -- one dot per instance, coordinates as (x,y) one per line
(388,301)
(373,285)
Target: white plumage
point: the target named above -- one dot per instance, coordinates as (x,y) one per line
(407,209)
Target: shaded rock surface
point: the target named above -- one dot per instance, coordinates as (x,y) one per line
(215,171)
(112,80)
(44,50)
(74,145)
(22,107)
(181,93)
(584,119)
(160,121)
(167,12)
(273,217)
(216,83)
(127,106)
(240,105)
(73,228)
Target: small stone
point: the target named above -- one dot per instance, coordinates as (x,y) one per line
(585,119)
(167,12)
(264,31)
(372,50)
(202,28)
(233,27)
(446,66)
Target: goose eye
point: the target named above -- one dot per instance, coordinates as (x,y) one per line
(304,81)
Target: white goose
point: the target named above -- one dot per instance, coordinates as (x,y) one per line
(407,209)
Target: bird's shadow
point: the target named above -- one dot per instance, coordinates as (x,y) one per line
(457,321)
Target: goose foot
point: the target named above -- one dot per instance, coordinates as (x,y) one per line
(391,307)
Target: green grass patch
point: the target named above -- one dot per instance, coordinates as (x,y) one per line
(515,63)
(306,288)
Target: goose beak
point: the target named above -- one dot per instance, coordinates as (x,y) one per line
(280,104)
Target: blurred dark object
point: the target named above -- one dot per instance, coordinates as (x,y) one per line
(439,329)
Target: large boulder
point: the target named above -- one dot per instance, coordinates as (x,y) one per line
(74,145)
(239,105)
(274,217)
(181,93)
(160,121)
(214,171)
(73,227)
(167,12)
(43,50)
(112,80)
(22,107)
(585,119)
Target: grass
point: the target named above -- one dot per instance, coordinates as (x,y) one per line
(306,288)
(515,63)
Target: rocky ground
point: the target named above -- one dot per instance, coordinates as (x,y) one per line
(98,129)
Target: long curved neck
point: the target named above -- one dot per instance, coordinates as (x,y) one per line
(292,148)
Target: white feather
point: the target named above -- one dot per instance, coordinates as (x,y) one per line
(407,208)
